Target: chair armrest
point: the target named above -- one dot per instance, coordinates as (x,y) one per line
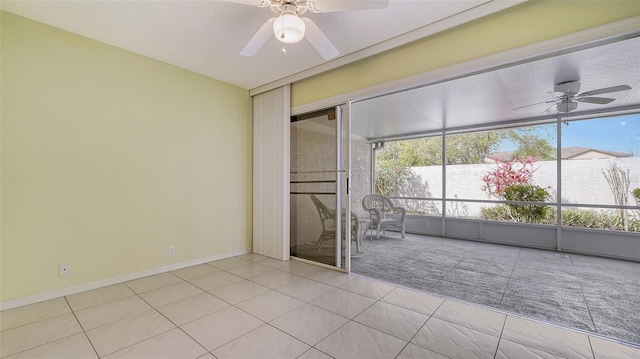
(373,212)
(329,224)
(400,210)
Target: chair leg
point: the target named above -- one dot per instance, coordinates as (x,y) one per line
(320,240)
(402,230)
(378,231)
(357,243)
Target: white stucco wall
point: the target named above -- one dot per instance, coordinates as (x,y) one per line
(583,181)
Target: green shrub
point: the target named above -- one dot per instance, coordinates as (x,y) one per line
(636,195)
(495,213)
(582,218)
(524,212)
(589,218)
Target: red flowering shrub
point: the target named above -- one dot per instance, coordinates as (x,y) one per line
(517,172)
(513,181)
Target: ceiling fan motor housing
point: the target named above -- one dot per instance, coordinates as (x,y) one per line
(569,87)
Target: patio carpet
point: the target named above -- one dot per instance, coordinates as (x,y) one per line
(599,295)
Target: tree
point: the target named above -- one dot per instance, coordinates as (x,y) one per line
(467,148)
(390,174)
(474,147)
(532,144)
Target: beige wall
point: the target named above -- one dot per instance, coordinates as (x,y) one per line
(109,157)
(525,24)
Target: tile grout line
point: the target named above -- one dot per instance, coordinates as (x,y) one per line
(53,341)
(593,353)
(47,343)
(37,321)
(510,276)
(152,307)
(449,271)
(586,302)
(84,332)
(309,303)
(244,311)
(349,320)
(269,322)
(545,350)
(504,324)
(109,301)
(422,326)
(176,326)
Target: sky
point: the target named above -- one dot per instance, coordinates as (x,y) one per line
(620,134)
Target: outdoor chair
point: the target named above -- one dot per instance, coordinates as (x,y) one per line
(383,213)
(328,219)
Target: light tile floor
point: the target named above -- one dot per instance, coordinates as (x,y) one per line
(599,295)
(251,306)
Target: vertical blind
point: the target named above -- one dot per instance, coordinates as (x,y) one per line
(271,117)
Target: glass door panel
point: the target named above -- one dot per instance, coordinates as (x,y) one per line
(316,179)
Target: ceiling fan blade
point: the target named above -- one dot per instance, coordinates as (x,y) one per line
(319,40)
(259,39)
(549,108)
(598,100)
(605,90)
(259,3)
(534,104)
(342,5)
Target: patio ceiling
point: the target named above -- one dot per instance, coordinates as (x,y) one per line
(489,98)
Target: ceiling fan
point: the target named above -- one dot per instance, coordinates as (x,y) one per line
(288,27)
(568,97)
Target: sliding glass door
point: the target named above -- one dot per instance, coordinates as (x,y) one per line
(319,163)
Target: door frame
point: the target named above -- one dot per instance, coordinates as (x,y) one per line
(343,197)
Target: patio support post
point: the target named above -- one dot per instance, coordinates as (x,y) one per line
(444,180)
(559,182)
(338,220)
(373,167)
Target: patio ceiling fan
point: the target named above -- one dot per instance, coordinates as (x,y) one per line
(568,97)
(288,27)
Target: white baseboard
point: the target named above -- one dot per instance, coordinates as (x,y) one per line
(10,304)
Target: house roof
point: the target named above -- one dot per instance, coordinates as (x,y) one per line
(565,153)
(571,152)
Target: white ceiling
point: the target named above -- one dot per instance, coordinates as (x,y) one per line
(490,98)
(207,36)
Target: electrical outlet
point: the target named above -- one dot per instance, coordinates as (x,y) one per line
(172,250)
(65,269)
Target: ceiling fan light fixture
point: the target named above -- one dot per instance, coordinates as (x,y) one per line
(567,106)
(288,28)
